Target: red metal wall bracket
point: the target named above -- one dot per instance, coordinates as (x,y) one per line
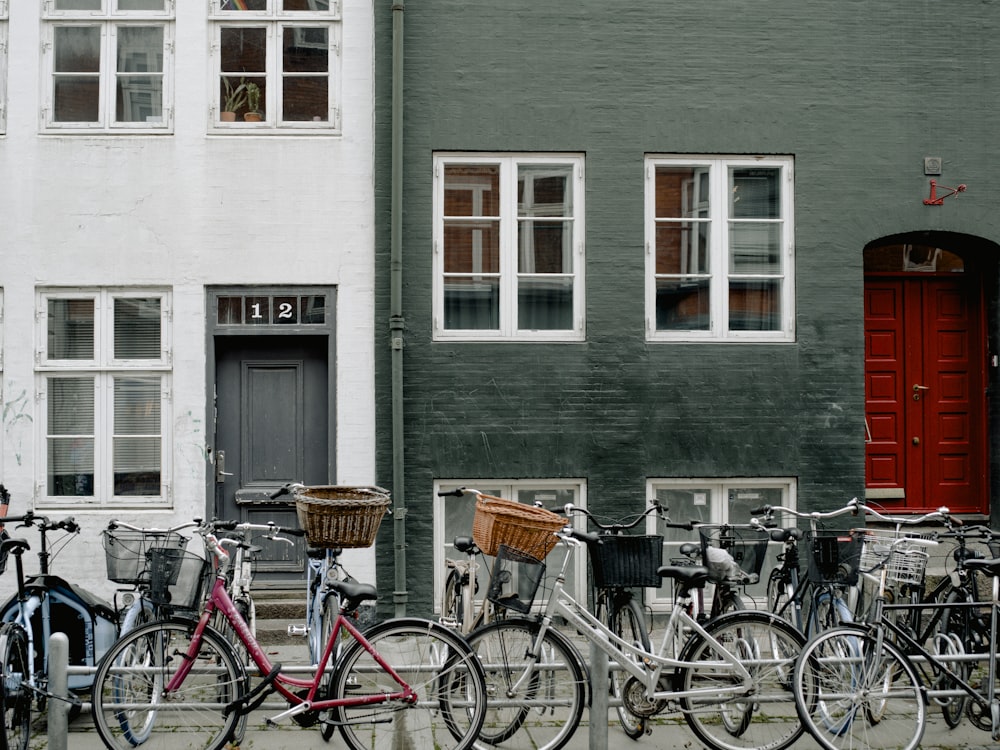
(937,200)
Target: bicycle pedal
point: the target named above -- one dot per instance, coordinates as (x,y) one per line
(298,630)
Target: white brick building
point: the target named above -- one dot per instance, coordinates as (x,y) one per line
(175,286)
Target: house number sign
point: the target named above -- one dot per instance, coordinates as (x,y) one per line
(272,309)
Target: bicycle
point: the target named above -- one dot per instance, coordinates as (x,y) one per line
(407,680)
(821,599)
(728,677)
(461,607)
(868,684)
(621,563)
(45,604)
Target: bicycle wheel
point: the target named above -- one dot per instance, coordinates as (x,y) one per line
(954,631)
(854,690)
(129,704)
(437,664)
(535,701)
(628,622)
(15,695)
(758,715)
(453,599)
(331,608)
(779,596)
(829,611)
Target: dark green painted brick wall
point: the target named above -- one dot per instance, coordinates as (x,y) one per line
(857,92)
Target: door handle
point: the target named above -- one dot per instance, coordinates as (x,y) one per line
(916,390)
(220,467)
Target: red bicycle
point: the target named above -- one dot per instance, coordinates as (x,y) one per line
(405,682)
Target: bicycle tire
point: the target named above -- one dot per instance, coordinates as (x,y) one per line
(15,695)
(767,646)
(628,622)
(953,633)
(856,690)
(543,712)
(437,663)
(330,610)
(128,705)
(453,599)
(829,611)
(779,597)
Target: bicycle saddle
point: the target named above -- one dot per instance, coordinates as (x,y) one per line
(354,593)
(14,545)
(989,567)
(687,575)
(465,544)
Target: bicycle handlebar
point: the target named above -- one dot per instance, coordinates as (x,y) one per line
(115,524)
(44,523)
(270,527)
(855,506)
(569,509)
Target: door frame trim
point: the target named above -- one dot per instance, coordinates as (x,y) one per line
(214,330)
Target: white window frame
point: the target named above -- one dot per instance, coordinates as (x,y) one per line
(717,512)
(276,21)
(4,68)
(505,488)
(718,168)
(104,368)
(508,330)
(109,19)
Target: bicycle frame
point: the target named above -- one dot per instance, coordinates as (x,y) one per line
(629,657)
(285,684)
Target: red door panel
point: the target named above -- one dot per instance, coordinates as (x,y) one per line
(924,393)
(885,459)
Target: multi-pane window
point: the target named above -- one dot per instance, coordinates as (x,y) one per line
(508,247)
(719,248)
(715,501)
(103,380)
(276,64)
(108,64)
(453,516)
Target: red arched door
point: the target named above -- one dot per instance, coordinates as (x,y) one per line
(925,398)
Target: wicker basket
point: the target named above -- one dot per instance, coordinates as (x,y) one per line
(525,528)
(341,516)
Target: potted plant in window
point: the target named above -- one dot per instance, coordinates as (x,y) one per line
(253,113)
(236,98)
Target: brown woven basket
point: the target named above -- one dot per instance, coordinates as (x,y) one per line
(525,528)
(341,516)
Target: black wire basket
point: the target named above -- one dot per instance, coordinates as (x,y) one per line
(515,580)
(745,550)
(620,561)
(834,557)
(126,552)
(178,579)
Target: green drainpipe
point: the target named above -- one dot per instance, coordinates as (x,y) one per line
(397,324)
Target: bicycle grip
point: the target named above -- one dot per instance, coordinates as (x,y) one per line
(285,490)
(225,525)
(761,509)
(69,524)
(292,532)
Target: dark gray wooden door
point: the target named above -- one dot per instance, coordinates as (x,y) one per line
(271,428)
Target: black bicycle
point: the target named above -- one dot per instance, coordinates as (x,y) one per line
(623,563)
